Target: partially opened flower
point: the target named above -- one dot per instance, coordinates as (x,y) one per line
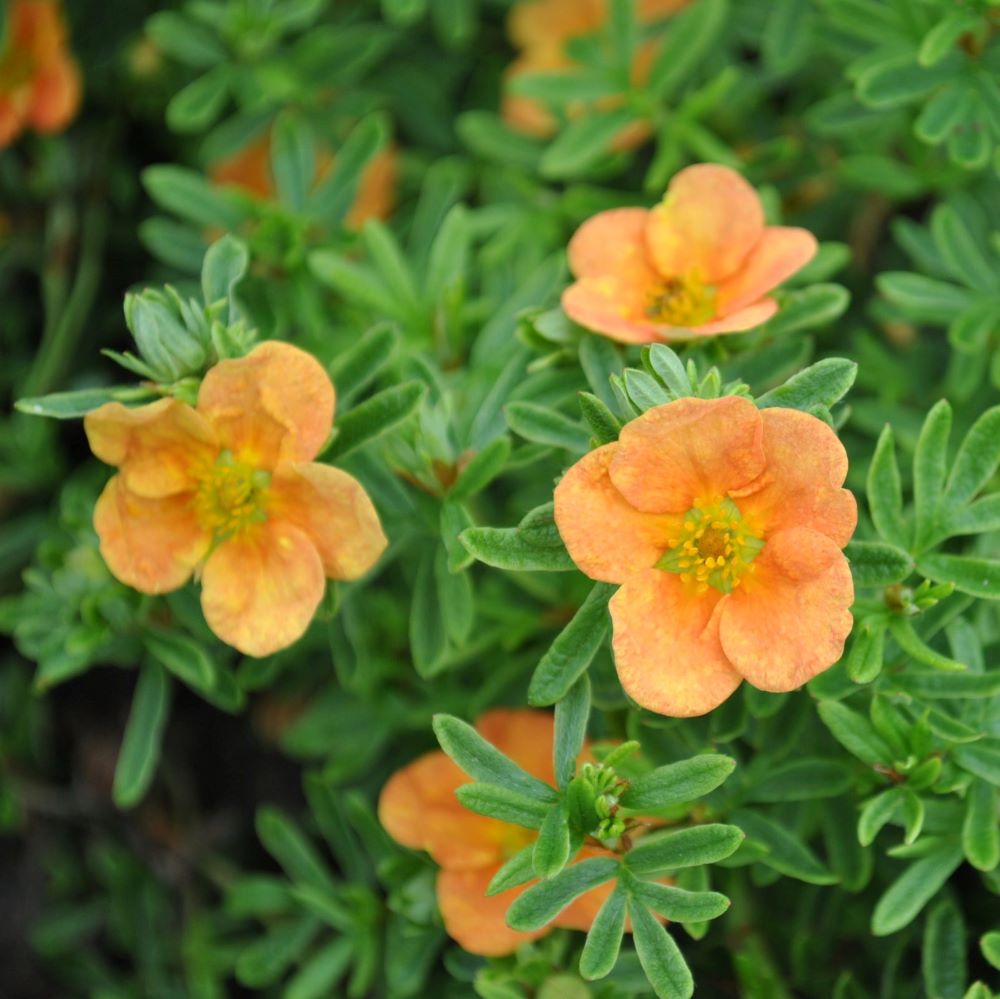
(419,809)
(541,30)
(228,490)
(250,169)
(39,79)
(701,262)
(724,524)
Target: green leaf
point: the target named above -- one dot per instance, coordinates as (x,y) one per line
(979,577)
(867,653)
(899,80)
(604,939)
(950,686)
(534,544)
(876,813)
(604,425)
(518,870)
(961,251)
(942,112)
(391,264)
(583,142)
(572,715)
(854,732)
(356,368)
(802,780)
(689,38)
(293,159)
(225,265)
(980,758)
(885,492)
(292,849)
(332,198)
(914,646)
(668,851)
(943,953)
(679,905)
(659,955)
(73,405)
(546,426)
(573,649)
(977,459)
(541,903)
(484,762)
(669,368)
(809,308)
(643,389)
(989,944)
(374,417)
(500,802)
(787,853)
(940,41)
(821,384)
(318,974)
(980,831)
(189,195)
(930,462)
(428,630)
(196,107)
(183,39)
(266,959)
(914,888)
(140,750)
(552,848)
(922,298)
(874,563)
(676,783)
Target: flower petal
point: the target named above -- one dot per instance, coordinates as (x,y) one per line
(275,404)
(780,252)
(152,545)
(475,920)
(56,95)
(376,190)
(801,487)
(666,645)
(157,447)
(736,322)
(333,508)
(615,306)
(260,589)
(525,736)
(612,242)
(606,537)
(790,617)
(418,808)
(687,450)
(541,23)
(708,222)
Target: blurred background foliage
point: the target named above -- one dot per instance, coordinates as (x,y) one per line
(179,821)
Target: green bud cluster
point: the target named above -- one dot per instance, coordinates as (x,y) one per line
(910,600)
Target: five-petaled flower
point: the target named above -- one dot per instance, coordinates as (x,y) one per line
(249,169)
(700,263)
(228,489)
(39,79)
(419,809)
(724,525)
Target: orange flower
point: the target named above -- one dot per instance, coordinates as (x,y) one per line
(541,29)
(419,809)
(724,524)
(229,490)
(250,169)
(39,80)
(701,262)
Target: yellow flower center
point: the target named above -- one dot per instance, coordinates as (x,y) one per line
(231,496)
(714,548)
(681,301)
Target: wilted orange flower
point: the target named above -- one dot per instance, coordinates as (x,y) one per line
(250,169)
(541,29)
(39,79)
(228,490)
(724,524)
(701,262)
(419,809)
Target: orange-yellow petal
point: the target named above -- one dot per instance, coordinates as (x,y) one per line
(275,404)
(524,735)
(612,242)
(158,447)
(376,190)
(152,545)
(687,450)
(780,252)
(475,920)
(801,486)
(790,617)
(536,23)
(248,168)
(615,305)
(56,95)
(261,588)
(666,644)
(418,808)
(736,322)
(708,222)
(333,508)
(607,537)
